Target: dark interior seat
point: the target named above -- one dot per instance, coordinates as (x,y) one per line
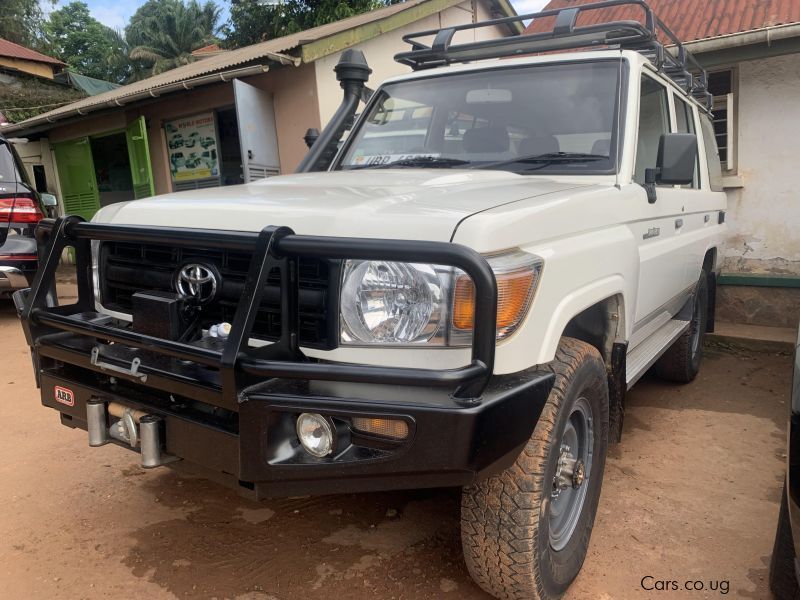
(486,139)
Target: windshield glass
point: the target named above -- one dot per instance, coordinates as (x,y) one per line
(556,118)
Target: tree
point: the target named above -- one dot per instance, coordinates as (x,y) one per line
(254,21)
(86,45)
(163,33)
(21,22)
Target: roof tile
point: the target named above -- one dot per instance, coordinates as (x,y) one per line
(690,19)
(12,50)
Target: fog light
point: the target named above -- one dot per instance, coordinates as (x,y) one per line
(395,429)
(315,434)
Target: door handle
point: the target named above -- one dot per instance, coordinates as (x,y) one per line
(678,223)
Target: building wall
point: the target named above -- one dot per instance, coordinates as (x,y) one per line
(764,215)
(294,91)
(38,153)
(174,106)
(27,66)
(380,51)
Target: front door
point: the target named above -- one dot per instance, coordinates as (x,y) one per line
(662,252)
(77,178)
(139,156)
(258,135)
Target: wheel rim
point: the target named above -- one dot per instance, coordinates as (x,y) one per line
(573,471)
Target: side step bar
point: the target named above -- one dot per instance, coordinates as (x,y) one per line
(645,354)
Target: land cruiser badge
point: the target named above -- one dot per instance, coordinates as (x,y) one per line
(651,233)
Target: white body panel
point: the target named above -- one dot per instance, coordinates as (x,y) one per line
(590,231)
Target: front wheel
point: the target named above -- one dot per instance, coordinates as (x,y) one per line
(525,532)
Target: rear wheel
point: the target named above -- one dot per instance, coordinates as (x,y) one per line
(525,532)
(681,362)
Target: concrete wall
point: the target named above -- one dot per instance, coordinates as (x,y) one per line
(380,51)
(764,215)
(39,153)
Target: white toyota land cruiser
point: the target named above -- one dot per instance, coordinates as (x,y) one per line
(459,294)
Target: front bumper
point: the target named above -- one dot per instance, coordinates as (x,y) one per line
(448,445)
(228,410)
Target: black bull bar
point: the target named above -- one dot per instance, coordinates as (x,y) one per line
(273,248)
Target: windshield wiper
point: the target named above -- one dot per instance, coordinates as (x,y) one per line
(434,162)
(548,158)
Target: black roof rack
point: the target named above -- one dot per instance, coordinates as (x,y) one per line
(648,37)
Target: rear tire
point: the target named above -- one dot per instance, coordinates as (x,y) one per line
(681,362)
(525,531)
(782,578)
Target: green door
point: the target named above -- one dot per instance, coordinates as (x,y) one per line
(139,155)
(76,174)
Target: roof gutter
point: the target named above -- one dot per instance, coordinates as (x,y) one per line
(188,84)
(766,35)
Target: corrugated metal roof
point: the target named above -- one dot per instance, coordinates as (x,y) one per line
(226,61)
(690,19)
(12,50)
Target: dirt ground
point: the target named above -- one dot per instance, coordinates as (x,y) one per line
(690,495)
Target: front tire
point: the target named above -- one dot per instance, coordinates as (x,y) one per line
(525,532)
(681,362)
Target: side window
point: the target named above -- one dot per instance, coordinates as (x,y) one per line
(684,120)
(712,155)
(653,122)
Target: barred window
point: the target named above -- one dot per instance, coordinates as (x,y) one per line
(721,84)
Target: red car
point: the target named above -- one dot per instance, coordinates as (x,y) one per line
(20,211)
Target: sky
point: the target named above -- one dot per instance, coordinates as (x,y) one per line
(115,13)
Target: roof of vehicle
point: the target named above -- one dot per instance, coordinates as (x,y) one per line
(494,63)
(633,57)
(690,20)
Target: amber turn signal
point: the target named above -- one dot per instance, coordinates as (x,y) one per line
(395,429)
(515,290)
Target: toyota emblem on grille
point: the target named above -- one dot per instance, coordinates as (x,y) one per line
(197,282)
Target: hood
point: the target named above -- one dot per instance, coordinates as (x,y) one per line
(419,204)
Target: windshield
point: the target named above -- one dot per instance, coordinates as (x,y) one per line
(556,118)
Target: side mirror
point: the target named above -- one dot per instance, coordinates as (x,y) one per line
(675,164)
(49,200)
(677,157)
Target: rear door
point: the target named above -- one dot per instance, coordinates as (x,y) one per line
(258,135)
(139,155)
(701,220)
(76,175)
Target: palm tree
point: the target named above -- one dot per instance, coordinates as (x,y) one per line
(170,30)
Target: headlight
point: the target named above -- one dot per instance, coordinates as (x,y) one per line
(393,303)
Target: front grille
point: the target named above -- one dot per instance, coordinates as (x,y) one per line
(127,268)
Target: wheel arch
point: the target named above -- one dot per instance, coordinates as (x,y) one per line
(602,325)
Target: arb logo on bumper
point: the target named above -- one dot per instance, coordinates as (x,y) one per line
(64,396)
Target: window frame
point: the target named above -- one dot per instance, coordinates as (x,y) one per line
(697,182)
(618,126)
(730,103)
(669,114)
